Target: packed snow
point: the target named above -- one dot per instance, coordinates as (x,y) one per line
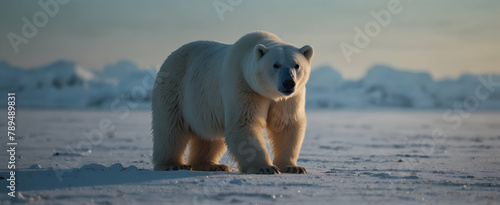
(66,84)
(352,157)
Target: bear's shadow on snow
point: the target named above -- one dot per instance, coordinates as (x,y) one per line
(90,175)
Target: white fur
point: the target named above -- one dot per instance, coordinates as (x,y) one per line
(208,93)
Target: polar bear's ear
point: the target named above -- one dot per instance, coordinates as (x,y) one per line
(307,51)
(260,50)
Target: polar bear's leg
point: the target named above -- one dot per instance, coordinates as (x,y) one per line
(245,118)
(285,130)
(170,134)
(286,142)
(169,143)
(248,147)
(205,154)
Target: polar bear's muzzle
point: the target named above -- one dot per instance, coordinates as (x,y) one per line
(286,84)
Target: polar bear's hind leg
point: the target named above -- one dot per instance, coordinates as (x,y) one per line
(170,141)
(170,134)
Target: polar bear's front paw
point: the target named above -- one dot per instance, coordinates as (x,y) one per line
(213,168)
(220,168)
(263,170)
(177,167)
(295,170)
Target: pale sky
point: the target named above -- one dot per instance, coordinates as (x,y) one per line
(446,38)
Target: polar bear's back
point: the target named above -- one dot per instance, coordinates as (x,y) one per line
(251,39)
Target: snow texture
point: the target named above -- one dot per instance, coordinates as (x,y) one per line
(65,84)
(352,157)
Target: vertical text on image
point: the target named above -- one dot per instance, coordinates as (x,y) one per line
(11,143)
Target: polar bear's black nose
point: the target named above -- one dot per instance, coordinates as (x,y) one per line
(288,84)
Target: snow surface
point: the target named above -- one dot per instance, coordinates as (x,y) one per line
(66,84)
(352,157)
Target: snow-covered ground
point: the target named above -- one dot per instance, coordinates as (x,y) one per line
(352,157)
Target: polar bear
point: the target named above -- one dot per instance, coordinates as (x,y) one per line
(212,95)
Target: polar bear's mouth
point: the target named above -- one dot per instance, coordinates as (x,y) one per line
(286,92)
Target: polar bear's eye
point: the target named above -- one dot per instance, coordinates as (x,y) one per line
(296,66)
(276,65)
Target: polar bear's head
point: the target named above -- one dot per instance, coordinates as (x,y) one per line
(279,70)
